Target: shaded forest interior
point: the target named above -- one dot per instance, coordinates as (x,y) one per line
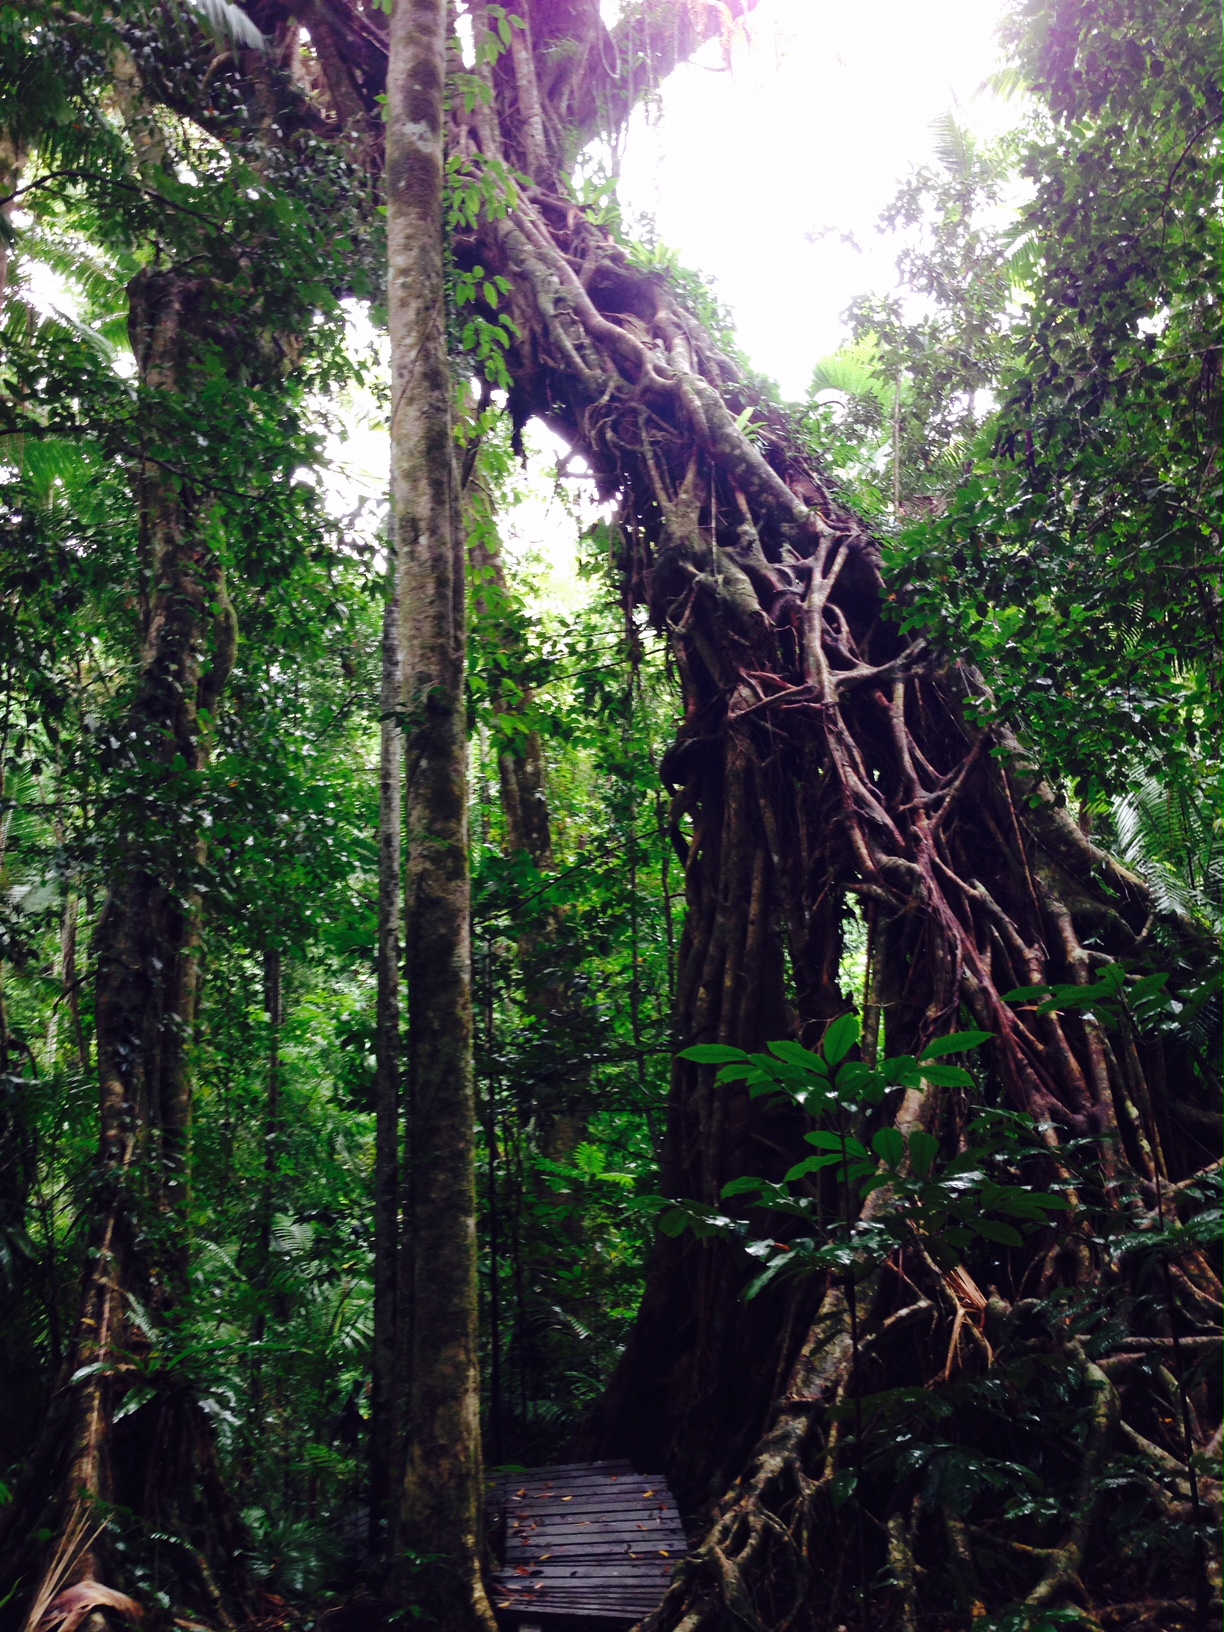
(686,932)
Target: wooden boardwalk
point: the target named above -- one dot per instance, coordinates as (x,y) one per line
(582,1547)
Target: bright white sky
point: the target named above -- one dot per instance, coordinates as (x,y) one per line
(827,106)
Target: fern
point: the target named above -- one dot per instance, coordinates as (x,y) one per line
(1172,844)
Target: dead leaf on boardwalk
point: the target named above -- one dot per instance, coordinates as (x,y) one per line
(76,1604)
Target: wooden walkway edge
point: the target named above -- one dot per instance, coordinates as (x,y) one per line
(582,1547)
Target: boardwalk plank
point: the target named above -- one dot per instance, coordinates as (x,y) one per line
(588,1547)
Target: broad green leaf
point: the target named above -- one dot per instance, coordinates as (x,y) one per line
(889,1146)
(745,1185)
(947,1076)
(902,1072)
(857,1078)
(795,1054)
(840,1038)
(1026,994)
(810,1164)
(712,1054)
(959,1042)
(738,1071)
(1002,1233)
(923,1149)
(845,1144)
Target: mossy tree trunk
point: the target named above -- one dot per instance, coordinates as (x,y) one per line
(437,1556)
(387,1358)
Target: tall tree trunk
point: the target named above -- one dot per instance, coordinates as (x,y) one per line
(385,1404)
(160,1463)
(442,1489)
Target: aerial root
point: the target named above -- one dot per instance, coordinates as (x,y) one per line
(1061,1575)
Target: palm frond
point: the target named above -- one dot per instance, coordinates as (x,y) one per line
(229,25)
(954,146)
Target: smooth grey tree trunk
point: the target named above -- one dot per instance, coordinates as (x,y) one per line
(386,1417)
(438,1563)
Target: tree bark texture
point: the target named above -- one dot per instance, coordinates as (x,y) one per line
(385,1415)
(160,1463)
(442,1490)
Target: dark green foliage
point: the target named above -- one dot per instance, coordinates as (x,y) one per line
(1045,390)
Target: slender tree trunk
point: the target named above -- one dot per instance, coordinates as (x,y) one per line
(12,162)
(273,1010)
(442,1489)
(385,1412)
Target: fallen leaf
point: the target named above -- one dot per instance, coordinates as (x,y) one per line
(76,1604)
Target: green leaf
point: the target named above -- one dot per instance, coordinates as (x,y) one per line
(739,1071)
(902,1072)
(712,1054)
(841,1143)
(795,1054)
(810,1164)
(840,1038)
(761,1281)
(745,1185)
(133,1400)
(1002,1233)
(947,1076)
(889,1146)
(858,1079)
(923,1149)
(959,1042)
